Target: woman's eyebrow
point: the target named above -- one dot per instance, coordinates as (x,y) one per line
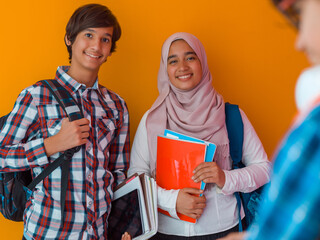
(171,56)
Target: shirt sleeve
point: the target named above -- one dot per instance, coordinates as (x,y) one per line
(258,167)
(140,163)
(120,150)
(291,208)
(21,146)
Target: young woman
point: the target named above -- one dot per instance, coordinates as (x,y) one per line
(188,104)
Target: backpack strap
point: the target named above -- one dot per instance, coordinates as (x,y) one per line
(3,120)
(73,112)
(64,98)
(66,101)
(234,126)
(235,133)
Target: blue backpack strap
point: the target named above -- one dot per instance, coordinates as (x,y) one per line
(235,133)
(234,126)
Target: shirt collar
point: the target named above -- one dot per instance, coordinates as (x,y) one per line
(71,84)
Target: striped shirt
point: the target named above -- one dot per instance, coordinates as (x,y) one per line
(94,171)
(292,205)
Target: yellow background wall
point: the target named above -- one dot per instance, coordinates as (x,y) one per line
(250,50)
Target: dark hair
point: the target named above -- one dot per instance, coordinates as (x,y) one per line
(91,16)
(288,9)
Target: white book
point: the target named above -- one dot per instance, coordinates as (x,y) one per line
(134,209)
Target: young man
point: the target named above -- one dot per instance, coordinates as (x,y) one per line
(291,210)
(37,131)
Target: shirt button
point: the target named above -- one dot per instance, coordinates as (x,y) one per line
(89,148)
(89,176)
(90,203)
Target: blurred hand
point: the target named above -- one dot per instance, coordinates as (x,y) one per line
(234,236)
(209,172)
(189,204)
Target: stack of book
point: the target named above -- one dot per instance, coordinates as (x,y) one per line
(134,209)
(177,157)
(134,205)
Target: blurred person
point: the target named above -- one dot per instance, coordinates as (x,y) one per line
(291,208)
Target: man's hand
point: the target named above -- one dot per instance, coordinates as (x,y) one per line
(126,236)
(190,205)
(209,172)
(71,134)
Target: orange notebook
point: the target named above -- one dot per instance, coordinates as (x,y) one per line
(176,160)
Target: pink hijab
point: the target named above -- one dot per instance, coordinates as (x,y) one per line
(198,112)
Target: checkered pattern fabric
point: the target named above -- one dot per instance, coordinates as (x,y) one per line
(94,171)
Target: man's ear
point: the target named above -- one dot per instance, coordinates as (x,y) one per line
(67,41)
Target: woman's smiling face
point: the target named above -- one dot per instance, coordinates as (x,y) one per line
(183,66)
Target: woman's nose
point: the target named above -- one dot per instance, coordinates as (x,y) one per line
(183,66)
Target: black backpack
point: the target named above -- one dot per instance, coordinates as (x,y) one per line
(16,187)
(251,200)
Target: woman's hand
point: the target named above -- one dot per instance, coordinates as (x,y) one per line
(209,172)
(189,204)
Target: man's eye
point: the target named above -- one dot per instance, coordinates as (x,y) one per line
(89,35)
(106,40)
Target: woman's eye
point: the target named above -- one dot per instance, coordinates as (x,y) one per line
(191,58)
(89,35)
(172,62)
(106,40)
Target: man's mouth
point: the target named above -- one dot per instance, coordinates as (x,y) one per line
(96,56)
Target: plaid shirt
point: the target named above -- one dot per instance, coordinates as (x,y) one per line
(95,169)
(292,206)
